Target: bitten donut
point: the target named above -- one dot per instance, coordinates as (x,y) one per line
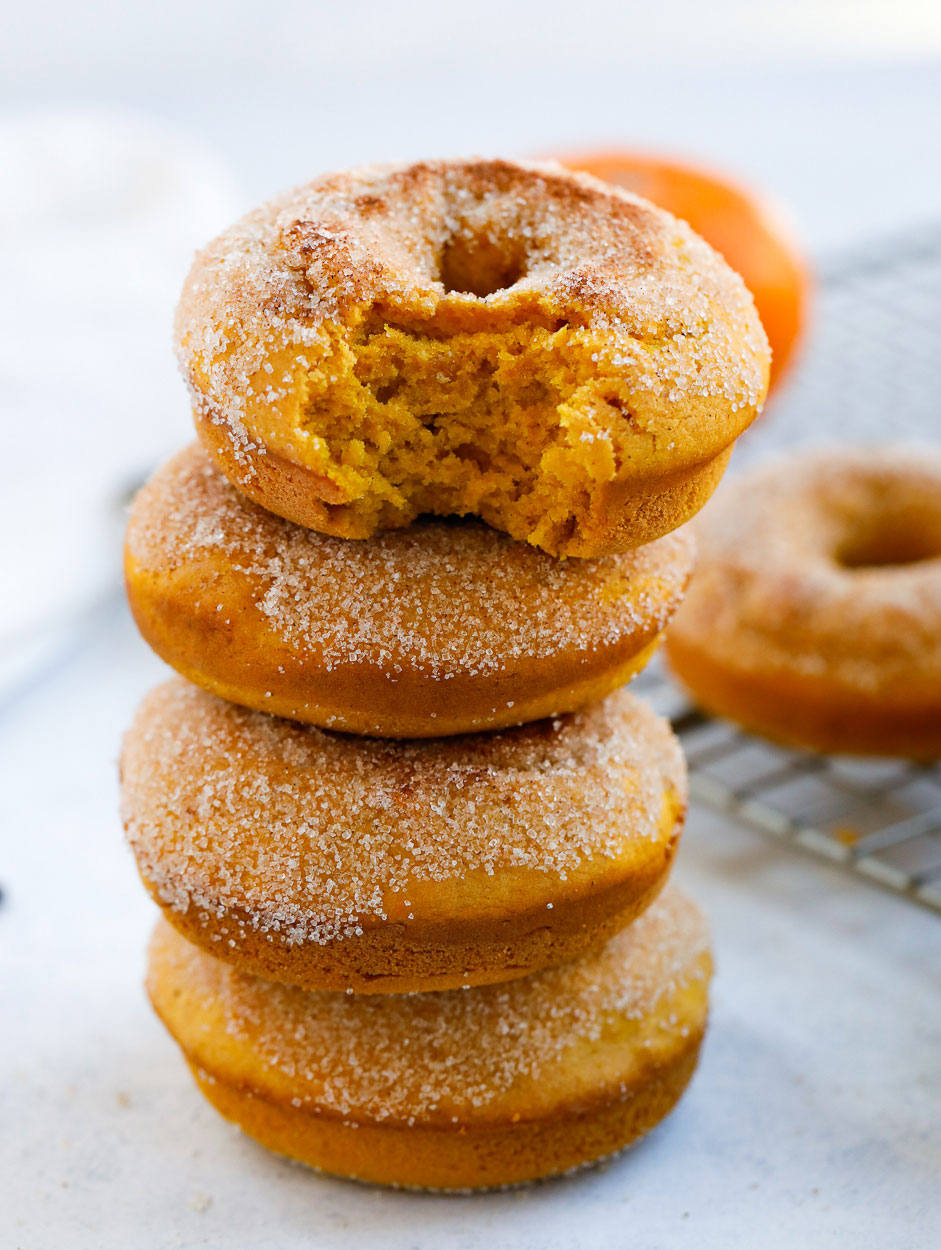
(332,862)
(814,614)
(463,1090)
(439,629)
(529,345)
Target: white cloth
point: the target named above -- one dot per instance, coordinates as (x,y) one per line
(99,215)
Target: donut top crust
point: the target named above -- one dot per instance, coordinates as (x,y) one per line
(314,834)
(334,247)
(420,1055)
(441,598)
(621,345)
(784,578)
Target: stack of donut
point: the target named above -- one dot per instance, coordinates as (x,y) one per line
(408,834)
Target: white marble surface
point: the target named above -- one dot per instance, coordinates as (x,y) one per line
(815,1118)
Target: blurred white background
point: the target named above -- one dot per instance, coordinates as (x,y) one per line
(833,104)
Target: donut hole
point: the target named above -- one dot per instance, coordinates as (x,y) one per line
(475,263)
(900,542)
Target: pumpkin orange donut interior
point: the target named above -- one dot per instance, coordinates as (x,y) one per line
(439,629)
(468,1089)
(526,344)
(333,862)
(814,614)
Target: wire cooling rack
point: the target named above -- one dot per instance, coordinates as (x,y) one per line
(871,373)
(880,819)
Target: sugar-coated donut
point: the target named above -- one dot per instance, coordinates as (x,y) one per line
(459,1090)
(333,862)
(533,346)
(438,629)
(814,614)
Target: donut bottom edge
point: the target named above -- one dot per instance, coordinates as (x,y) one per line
(361,701)
(625,513)
(810,712)
(441,1091)
(459,1160)
(656,1057)
(419,958)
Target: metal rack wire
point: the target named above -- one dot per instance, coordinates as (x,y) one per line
(872,372)
(880,819)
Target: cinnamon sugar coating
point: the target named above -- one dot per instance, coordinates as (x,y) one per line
(814,615)
(486,1086)
(518,342)
(336,862)
(438,629)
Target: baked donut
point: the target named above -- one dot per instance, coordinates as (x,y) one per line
(440,629)
(462,1090)
(529,345)
(333,862)
(814,614)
